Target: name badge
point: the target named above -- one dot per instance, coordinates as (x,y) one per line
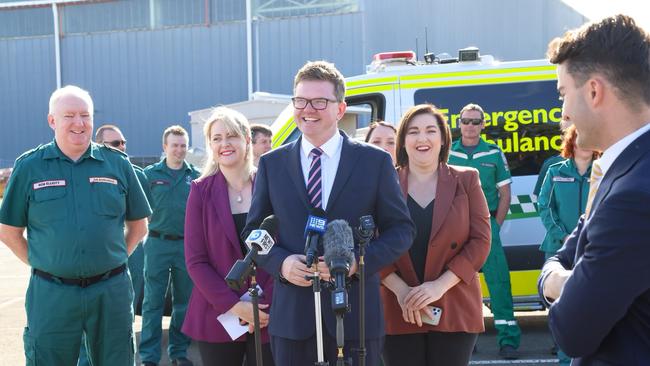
(160,182)
(49,183)
(564,179)
(103,180)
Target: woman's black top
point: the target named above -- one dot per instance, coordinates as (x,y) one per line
(240,222)
(422,217)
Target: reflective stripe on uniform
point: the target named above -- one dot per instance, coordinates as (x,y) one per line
(485,153)
(458,154)
(504,182)
(505,322)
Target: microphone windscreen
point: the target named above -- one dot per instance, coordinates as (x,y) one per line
(338,242)
(270,224)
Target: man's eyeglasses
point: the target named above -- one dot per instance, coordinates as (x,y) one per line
(473,121)
(116,143)
(317,103)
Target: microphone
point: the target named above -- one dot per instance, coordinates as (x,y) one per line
(315,227)
(262,238)
(366,228)
(259,242)
(338,244)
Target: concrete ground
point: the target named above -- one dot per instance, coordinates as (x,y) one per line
(14,277)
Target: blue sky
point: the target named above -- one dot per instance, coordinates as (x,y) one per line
(596,9)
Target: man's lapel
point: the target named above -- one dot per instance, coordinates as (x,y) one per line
(347,162)
(294,169)
(621,165)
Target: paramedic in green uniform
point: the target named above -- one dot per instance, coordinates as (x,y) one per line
(111,136)
(75,198)
(164,258)
(471,150)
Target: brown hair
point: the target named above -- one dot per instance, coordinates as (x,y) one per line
(376,124)
(614,47)
(324,71)
(257,129)
(445,132)
(174,130)
(568,148)
(99,134)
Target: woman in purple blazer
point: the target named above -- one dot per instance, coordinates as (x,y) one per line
(216,213)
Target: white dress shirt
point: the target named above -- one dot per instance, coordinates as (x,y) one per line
(610,155)
(329,161)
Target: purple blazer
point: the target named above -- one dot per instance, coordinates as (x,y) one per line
(211,248)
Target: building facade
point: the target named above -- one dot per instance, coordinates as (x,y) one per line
(147,63)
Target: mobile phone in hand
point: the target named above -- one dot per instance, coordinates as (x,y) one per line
(432,315)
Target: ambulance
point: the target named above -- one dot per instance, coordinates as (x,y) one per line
(522,113)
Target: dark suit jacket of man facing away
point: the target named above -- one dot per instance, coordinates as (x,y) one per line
(365,184)
(603,314)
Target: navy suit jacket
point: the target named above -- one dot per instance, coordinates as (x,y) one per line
(602,316)
(365,184)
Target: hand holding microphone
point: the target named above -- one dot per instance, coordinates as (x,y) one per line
(316,223)
(296,268)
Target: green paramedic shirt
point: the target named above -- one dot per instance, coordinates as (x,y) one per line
(491,164)
(142,178)
(74,212)
(169,190)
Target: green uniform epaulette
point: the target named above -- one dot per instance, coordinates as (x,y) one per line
(31,152)
(113,149)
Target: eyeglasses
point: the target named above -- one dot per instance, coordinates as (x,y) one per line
(317,103)
(473,121)
(116,143)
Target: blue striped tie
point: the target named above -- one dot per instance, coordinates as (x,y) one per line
(314,182)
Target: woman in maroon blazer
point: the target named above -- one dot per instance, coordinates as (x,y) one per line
(440,270)
(216,213)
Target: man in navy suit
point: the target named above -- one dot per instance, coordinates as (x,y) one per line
(348,179)
(600,279)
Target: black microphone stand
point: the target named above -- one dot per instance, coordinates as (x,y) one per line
(365,232)
(235,280)
(340,306)
(252,290)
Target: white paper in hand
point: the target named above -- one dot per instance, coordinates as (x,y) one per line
(230,321)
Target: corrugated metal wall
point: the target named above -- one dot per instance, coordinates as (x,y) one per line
(146,81)
(147,68)
(27,78)
(286,44)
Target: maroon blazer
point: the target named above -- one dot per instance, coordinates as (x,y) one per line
(460,242)
(211,248)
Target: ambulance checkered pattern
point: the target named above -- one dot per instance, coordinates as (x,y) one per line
(522,206)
